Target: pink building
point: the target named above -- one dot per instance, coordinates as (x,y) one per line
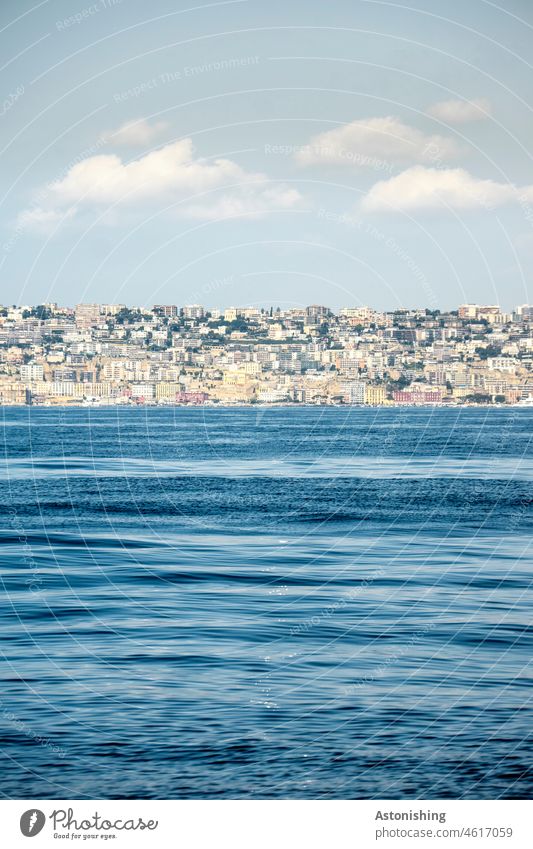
(191,397)
(426,396)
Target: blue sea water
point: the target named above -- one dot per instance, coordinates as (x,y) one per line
(266,603)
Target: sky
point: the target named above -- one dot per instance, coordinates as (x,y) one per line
(349,153)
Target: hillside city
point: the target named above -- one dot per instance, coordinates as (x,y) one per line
(101,354)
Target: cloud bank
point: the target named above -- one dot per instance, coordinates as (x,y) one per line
(170,174)
(376,139)
(421,188)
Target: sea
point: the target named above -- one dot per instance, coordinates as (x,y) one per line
(266,603)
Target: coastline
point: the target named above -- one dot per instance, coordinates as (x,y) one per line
(267,406)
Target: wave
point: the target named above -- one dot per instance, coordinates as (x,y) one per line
(518,468)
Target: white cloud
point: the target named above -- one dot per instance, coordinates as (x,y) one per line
(170,174)
(461,111)
(375,142)
(137,133)
(420,188)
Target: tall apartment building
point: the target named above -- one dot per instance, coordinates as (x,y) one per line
(112,309)
(166,310)
(525,312)
(316,313)
(354,392)
(31,372)
(87,315)
(193,311)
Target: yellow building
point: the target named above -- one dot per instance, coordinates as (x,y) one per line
(230,314)
(375,395)
(167,390)
(235,378)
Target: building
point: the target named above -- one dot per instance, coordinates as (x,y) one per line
(144,391)
(88,315)
(491,314)
(316,313)
(271,396)
(236,377)
(31,372)
(112,309)
(418,396)
(525,312)
(12,393)
(64,375)
(191,397)
(195,311)
(375,395)
(466,311)
(354,392)
(356,314)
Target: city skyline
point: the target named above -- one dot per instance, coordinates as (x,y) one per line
(264,307)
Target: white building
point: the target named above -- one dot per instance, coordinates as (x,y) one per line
(193,311)
(143,390)
(354,392)
(31,372)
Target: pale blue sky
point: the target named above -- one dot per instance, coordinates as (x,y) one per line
(257,166)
